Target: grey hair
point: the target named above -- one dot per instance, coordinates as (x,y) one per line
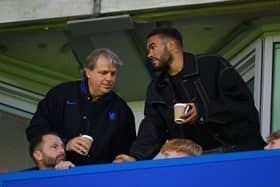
(92,58)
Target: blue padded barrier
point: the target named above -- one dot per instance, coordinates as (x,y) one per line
(254,168)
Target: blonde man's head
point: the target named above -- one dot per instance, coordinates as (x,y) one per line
(273,141)
(180,148)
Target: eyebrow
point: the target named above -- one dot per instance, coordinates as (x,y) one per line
(150,45)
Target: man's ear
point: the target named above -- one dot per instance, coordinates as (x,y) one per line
(88,72)
(38,155)
(171,44)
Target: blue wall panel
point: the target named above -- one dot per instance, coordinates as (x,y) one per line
(257,168)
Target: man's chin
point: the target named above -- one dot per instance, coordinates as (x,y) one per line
(107,90)
(160,68)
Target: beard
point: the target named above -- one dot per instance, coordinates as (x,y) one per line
(164,60)
(50,162)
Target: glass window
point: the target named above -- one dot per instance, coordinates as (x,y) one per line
(246,68)
(250,84)
(276,88)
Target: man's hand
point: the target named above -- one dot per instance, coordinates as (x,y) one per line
(79,145)
(124,158)
(191,116)
(64,165)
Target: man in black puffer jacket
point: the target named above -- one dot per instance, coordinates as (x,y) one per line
(222,118)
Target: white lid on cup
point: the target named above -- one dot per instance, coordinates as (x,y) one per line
(180,104)
(87,136)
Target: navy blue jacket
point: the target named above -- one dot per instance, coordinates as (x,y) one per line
(227,115)
(69,111)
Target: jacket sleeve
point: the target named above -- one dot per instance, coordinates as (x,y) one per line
(151,134)
(45,117)
(234,101)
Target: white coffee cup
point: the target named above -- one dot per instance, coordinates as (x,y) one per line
(88,139)
(179,110)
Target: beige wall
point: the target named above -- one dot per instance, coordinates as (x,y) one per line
(138,111)
(125,5)
(14,146)
(30,10)
(27,10)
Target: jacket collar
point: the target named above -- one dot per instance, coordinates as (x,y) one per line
(190,69)
(162,82)
(190,65)
(85,91)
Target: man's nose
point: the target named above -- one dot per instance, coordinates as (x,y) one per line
(109,76)
(149,55)
(61,150)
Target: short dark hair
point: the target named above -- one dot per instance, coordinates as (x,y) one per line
(37,141)
(168,32)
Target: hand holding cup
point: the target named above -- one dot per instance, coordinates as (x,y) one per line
(180,109)
(88,140)
(80,144)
